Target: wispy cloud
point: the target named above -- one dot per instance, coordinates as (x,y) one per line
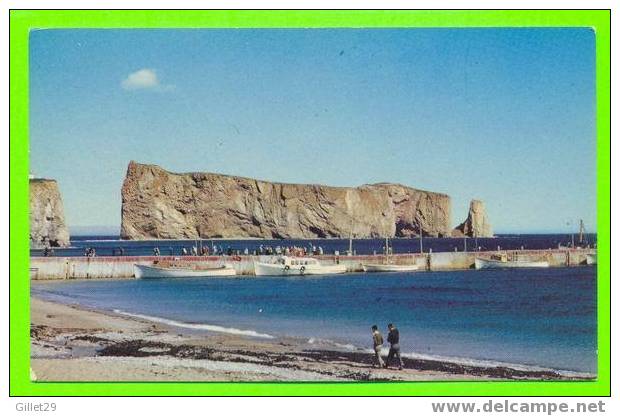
(144,79)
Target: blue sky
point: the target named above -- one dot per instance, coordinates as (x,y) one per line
(502,115)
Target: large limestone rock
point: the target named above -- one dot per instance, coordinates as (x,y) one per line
(161,204)
(47,218)
(477,223)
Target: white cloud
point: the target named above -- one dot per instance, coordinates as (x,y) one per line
(141,79)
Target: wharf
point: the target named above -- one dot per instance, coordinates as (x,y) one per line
(59,268)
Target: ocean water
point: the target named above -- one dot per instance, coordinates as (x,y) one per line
(530,317)
(105,245)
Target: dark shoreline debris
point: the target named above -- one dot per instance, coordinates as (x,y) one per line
(360,363)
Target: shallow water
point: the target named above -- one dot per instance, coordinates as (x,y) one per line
(533,317)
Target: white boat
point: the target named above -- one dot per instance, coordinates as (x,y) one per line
(591,258)
(505,263)
(387,266)
(390,267)
(296,266)
(158,272)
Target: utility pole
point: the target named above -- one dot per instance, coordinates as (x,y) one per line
(421,247)
(569,224)
(351,239)
(475,241)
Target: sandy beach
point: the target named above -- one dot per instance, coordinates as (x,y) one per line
(69,343)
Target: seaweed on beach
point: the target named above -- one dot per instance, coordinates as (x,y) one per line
(142,348)
(352,360)
(90,338)
(329,356)
(43,332)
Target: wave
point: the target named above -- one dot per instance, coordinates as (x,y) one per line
(477,362)
(200,327)
(330,343)
(56,296)
(473,362)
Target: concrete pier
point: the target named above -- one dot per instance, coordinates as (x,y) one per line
(46,268)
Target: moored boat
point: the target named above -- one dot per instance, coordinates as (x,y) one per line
(372,268)
(387,265)
(503,262)
(296,266)
(158,272)
(591,258)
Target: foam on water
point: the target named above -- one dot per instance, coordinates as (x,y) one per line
(330,343)
(199,327)
(491,363)
(449,359)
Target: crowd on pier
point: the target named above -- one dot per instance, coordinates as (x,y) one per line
(262,250)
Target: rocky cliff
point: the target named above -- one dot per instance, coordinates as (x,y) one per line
(477,223)
(47,219)
(161,204)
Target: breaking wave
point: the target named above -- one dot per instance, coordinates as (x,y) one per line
(199,327)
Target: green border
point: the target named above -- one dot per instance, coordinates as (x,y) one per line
(22,21)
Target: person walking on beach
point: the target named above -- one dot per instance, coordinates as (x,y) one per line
(393,339)
(377,341)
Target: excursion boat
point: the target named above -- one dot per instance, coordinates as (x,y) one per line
(591,258)
(296,266)
(502,262)
(390,267)
(159,271)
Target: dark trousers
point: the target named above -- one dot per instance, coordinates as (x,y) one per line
(394,352)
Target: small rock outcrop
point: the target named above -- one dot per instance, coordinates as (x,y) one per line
(477,223)
(162,205)
(47,219)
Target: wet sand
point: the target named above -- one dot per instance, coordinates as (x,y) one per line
(70,343)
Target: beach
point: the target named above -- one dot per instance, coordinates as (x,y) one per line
(70,343)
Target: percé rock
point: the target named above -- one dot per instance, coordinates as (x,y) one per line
(47,218)
(477,223)
(160,204)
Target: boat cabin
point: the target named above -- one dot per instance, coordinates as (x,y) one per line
(297,261)
(503,257)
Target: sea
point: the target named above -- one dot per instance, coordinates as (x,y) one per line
(525,318)
(106,245)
